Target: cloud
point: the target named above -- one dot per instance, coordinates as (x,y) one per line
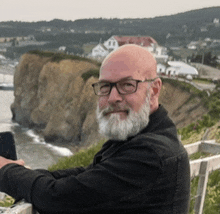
(35,10)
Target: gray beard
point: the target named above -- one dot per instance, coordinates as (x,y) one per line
(116,129)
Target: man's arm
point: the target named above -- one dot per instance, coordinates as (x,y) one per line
(58,174)
(102,185)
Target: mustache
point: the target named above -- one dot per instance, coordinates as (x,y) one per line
(114,108)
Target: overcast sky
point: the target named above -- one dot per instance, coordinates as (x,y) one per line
(38,10)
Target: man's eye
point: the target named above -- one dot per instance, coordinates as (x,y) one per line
(127,85)
(104,88)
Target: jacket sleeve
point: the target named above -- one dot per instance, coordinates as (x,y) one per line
(112,180)
(62,173)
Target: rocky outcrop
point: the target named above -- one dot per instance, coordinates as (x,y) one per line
(53,96)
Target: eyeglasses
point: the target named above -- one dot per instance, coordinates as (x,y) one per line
(127,86)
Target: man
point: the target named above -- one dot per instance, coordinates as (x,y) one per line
(142,168)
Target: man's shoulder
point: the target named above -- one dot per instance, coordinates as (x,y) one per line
(162,145)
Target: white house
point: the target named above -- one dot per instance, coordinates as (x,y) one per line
(161,68)
(159,52)
(216,21)
(62,48)
(172,71)
(192,45)
(116,41)
(181,69)
(100,51)
(2,57)
(218,59)
(111,44)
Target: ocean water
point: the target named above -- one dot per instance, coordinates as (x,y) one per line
(30,145)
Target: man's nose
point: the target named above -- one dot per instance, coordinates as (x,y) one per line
(114,96)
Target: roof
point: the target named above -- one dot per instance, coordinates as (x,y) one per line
(183,67)
(178,64)
(144,41)
(2,57)
(103,46)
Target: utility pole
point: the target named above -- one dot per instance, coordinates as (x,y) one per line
(203,55)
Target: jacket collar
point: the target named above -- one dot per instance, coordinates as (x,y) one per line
(155,119)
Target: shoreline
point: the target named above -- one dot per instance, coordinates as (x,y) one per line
(7,69)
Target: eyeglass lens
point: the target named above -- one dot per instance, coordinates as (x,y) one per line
(123,87)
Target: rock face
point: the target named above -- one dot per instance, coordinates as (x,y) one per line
(54,97)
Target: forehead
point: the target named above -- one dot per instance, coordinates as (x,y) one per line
(114,70)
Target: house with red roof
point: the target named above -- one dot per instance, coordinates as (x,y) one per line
(114,42)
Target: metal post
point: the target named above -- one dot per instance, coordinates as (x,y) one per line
(201,191)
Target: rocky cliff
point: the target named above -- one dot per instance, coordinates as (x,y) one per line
(54,96)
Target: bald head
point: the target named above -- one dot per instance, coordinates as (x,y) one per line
(131,57)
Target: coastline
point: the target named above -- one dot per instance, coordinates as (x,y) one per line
(6,77)
(7,69)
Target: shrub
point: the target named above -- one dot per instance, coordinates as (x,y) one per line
(206,122)
(90,73)
(212,199)
(7,201)
(81,159)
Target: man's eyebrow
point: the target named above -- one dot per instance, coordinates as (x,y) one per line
(124,78)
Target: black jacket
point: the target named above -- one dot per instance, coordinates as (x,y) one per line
(148,173)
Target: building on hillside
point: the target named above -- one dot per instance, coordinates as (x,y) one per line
(216,21)
(17,38)
(192,45)
(177,68)
(62,49)
(2,57)
(30,38)
(218,59)
(159,52)
(114,42)
(161,68)
(100,51)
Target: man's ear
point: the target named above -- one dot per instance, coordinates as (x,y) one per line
(156,87)
(155,92)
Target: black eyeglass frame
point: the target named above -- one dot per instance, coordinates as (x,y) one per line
(115,84)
